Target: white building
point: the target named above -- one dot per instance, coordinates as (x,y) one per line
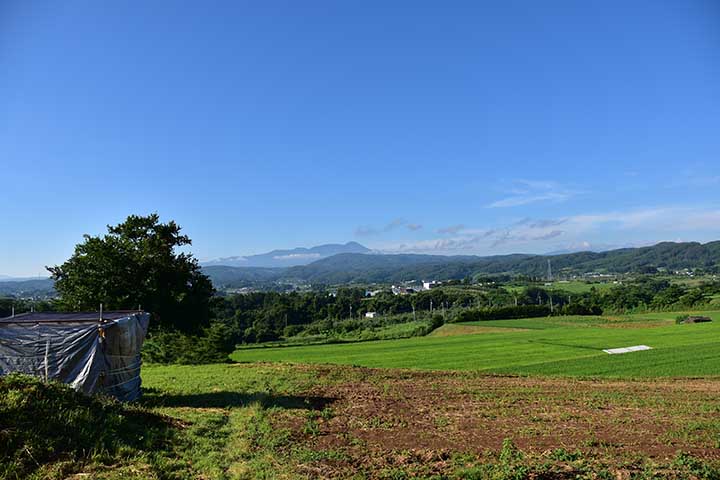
(370,314)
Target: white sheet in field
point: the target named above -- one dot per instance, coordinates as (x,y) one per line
(636,348)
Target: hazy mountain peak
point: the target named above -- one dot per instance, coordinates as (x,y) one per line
(291,257)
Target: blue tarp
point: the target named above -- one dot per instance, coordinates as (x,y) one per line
(90,354)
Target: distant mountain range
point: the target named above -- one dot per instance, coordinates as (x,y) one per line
(361,266)
(26,287)
(289,258)
(9,278)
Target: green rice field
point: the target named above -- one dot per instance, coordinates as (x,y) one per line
(555,346)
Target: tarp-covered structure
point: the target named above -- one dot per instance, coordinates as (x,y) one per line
(93,352)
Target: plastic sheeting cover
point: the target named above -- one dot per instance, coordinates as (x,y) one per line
(90,356)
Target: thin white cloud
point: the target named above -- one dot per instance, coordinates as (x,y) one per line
(398,222)
(525,192)
(297,256)
(540,235)
(367,230)
(452,229)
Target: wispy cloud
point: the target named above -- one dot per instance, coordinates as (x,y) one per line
(398,222)
(540,235)
(451,229)
(366,230)
(656,218)
(523,236)
(297,256)
(525,192)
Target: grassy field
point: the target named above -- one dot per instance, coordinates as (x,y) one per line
(403,329)
(571,346)
(572,286)
(581,287)
(445,414)
(280,421)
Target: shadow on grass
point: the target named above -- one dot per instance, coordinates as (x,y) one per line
(582,347)
(153,397)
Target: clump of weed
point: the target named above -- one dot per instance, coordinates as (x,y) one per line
(311,426)
(327,413)
(695,466)
(562,455)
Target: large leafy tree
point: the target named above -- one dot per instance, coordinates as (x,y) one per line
(137,264)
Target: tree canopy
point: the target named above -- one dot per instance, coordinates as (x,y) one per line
(136,264)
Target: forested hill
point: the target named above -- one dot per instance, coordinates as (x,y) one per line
(375,268)
(355,267)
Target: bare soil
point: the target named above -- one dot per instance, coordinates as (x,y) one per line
(382,418)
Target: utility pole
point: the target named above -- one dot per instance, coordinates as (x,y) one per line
(549,272)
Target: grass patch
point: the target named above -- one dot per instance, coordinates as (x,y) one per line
(263,421)
(48,430)
(543,346)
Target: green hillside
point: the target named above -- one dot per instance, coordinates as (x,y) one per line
(369,268)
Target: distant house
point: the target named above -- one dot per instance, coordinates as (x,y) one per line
(430,285)
(370,314)
(401,290)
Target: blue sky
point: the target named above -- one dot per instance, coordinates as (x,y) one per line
(432,127)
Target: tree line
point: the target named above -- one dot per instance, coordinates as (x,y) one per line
(137,265)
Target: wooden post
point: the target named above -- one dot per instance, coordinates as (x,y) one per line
(47,359)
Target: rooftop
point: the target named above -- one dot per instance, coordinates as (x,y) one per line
(59,317)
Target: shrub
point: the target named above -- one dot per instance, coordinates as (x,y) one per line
(292,330)
(167,346)
(580,309)
(436,322)
(502,313)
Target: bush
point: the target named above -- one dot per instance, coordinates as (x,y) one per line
(502,313)
(292,330)
(580,309)
(167,346)
(436,322)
